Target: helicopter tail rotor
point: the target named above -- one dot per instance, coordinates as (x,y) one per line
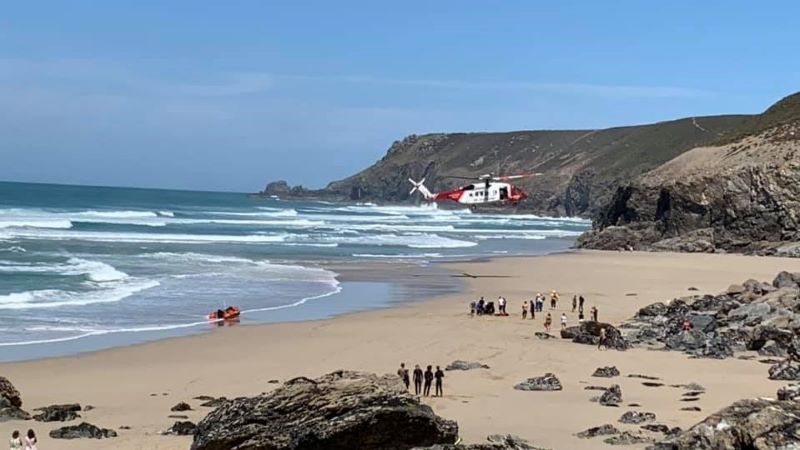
(420,186)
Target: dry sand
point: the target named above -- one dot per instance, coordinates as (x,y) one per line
(235,361)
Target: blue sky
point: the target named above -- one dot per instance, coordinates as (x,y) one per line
(228,95)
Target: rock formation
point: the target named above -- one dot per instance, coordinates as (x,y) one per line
(739,194)
(758,424)
(547,382)
(10,402)
(339,411)
(494,442)
(58,413)
(606,372)
(465,365)
(82,431)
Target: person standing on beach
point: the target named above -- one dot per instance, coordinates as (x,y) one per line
(574,302)
(428,380)
(31,441)
(601,342)
(580,302)
(417,380)
(402,372)
(594,313)
(524,310)
(15,443)
(553,300)
(580,316)
(439,375)
(533,308)
(563,320)
(548,320)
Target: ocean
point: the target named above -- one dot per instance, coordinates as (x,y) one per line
(84,268)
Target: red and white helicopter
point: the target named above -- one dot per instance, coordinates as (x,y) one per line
(490,190)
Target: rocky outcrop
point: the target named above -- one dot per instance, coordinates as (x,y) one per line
(790,392)
(628,438)
(11,402)
(82,431)
(758,424)
(606,372)
(612,396)
(738,195)
(547,382)
(493,442)
(602,430)
(465,365)
(749,316)
(637,417)
(339,411)
(589,333)
(182,428)
(180,407)
(58,413)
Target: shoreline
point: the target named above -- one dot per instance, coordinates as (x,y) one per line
(236,361)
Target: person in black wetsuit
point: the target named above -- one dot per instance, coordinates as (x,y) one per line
(428,380)
(417,379)
(439,375)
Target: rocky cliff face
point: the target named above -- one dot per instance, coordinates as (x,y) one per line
(582,168)
(739,195)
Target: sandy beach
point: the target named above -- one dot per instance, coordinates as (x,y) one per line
(136,386)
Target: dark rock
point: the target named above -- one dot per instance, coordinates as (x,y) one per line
(644,377)
(786,279)
(182,428)
(58,413)
(83,430)
(589,333)
(494,442)
(628,438)
(691,408)
(595,388)
(653,310)
(570,332)
(757,424)
(606,372)
(203,398)
(790,392)
(124,427)
(693,393)
(177,416)
(785,370)
(652,384)
(182,406)
(656,428)
(547,382)
(634,405)
(465,365)
(340,411)
(692,288)
(543,336)
(772,348)
(689,399)
(88,408)
(602,430)
(636,417)
(11,402)
(611,397)
(273,381)
(214,402)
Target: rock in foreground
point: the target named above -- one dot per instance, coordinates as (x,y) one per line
(547,382)
(494,442)
(83,430)
(10,402)
(758,424)
(606,372)
(340,411)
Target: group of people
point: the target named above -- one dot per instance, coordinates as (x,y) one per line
(16,442)
(482,307)
(422,380)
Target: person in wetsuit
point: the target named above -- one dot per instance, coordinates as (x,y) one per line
(417,379)
(428,380)
(402,372)
(439,375)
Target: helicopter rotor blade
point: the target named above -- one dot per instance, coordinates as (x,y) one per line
(516,177)
(461,178)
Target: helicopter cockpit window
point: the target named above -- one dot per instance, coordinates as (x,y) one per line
(469,188)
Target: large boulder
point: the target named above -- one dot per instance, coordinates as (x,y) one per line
(342,410)
(182,428)
(547,382)
(606,372)
(589,333)
(493,442)
(58,413)
(790,392)
(785,370)
(11,402)
(758,424)
(82,431)
(637,417)
(602,430)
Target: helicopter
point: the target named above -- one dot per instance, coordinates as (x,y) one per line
(489,189)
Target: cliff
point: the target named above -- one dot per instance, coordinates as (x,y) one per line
(582,168)
(739,194)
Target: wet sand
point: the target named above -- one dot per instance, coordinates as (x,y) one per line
(127,385)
